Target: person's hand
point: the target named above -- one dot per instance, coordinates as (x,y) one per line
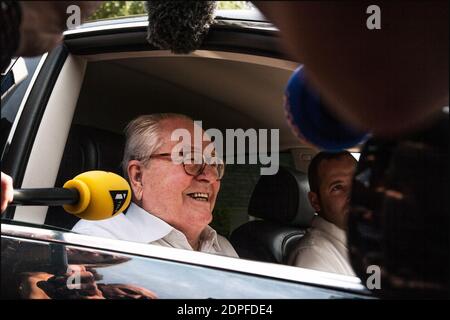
(28,287)
(43,23)
(7,191)
(58,287)
(42,285)
(125,291)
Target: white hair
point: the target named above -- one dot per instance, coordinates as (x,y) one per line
(143,137)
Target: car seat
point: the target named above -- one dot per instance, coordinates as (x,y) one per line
(87,148)
(281,203)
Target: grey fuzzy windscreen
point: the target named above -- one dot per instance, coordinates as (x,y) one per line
(179,26)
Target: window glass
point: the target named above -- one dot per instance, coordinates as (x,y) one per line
(119,9)
(12,95)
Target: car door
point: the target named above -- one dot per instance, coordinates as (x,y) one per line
(51,264)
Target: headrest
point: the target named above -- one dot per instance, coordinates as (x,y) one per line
(89,148)
(282,198)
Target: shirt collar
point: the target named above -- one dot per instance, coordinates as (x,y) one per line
(150,227)
(208,240)
(329,228)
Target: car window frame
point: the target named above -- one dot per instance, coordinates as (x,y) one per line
(55,64)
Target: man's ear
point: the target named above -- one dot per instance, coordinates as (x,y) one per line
(314,201)
(134,171)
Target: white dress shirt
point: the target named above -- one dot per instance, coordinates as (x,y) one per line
(323,248)
(140,226)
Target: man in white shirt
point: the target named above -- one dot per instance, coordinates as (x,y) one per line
(173,199)
(324,247)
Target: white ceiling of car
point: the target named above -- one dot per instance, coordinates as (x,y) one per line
(224,93)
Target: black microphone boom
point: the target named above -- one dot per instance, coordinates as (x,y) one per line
(92,195)
(45,197)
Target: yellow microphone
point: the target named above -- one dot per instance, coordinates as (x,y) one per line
(92,195)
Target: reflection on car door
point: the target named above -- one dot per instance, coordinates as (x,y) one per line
(35,267)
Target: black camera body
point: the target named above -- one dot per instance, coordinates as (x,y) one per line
(400,218)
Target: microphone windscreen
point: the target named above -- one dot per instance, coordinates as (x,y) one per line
(102,195)
(179,26)
(312,122)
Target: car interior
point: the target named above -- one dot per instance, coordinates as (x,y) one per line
(95,96)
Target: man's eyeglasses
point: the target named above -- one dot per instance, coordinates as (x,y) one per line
(195,163)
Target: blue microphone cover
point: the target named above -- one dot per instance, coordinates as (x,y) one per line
(312,122)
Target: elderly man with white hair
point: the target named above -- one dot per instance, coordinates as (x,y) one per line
(172,201)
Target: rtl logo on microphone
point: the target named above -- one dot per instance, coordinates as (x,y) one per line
(118,197)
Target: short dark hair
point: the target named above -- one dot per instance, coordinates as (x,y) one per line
(313,170)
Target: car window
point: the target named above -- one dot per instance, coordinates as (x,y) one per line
(95,140)
(119,9)
(13,95)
